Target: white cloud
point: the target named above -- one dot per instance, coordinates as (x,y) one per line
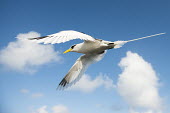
(60,109)
(25,55)
(86,84)
(138,84)
(54,109)
(37,95)
(42,109)
(24,91)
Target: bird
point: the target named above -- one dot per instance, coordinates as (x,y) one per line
(93,50)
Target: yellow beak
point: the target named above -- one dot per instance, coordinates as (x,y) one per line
(68,50)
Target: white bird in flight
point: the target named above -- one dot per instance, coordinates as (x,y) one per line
(93,50)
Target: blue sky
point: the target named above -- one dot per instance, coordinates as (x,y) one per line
(23,91)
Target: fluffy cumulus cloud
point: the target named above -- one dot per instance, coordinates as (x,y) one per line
(86,84)
(54,109)
(25,55)
(138,84)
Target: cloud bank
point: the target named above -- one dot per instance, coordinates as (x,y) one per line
(25,55)
(86,84)
(138,84)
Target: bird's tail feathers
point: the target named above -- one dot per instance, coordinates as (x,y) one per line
(119,44)
(146,37)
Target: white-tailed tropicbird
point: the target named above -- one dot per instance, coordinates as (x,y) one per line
(93,50)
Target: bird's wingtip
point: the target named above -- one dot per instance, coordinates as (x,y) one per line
(62,85)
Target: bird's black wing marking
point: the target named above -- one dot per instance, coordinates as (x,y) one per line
(37,38)
(63,83)
(110,43)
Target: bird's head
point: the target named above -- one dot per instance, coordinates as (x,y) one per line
(71,49)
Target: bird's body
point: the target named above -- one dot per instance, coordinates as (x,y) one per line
(93,47)
(93,50)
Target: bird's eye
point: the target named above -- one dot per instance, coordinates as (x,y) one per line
(73,46)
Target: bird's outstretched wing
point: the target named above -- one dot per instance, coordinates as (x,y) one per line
(78,69)
(63,36)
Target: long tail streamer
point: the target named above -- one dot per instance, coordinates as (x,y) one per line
(146,37)
(121,43)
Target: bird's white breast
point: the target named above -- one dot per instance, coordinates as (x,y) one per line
(89,47)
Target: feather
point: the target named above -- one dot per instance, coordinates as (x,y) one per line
(62,37)
(78,69)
